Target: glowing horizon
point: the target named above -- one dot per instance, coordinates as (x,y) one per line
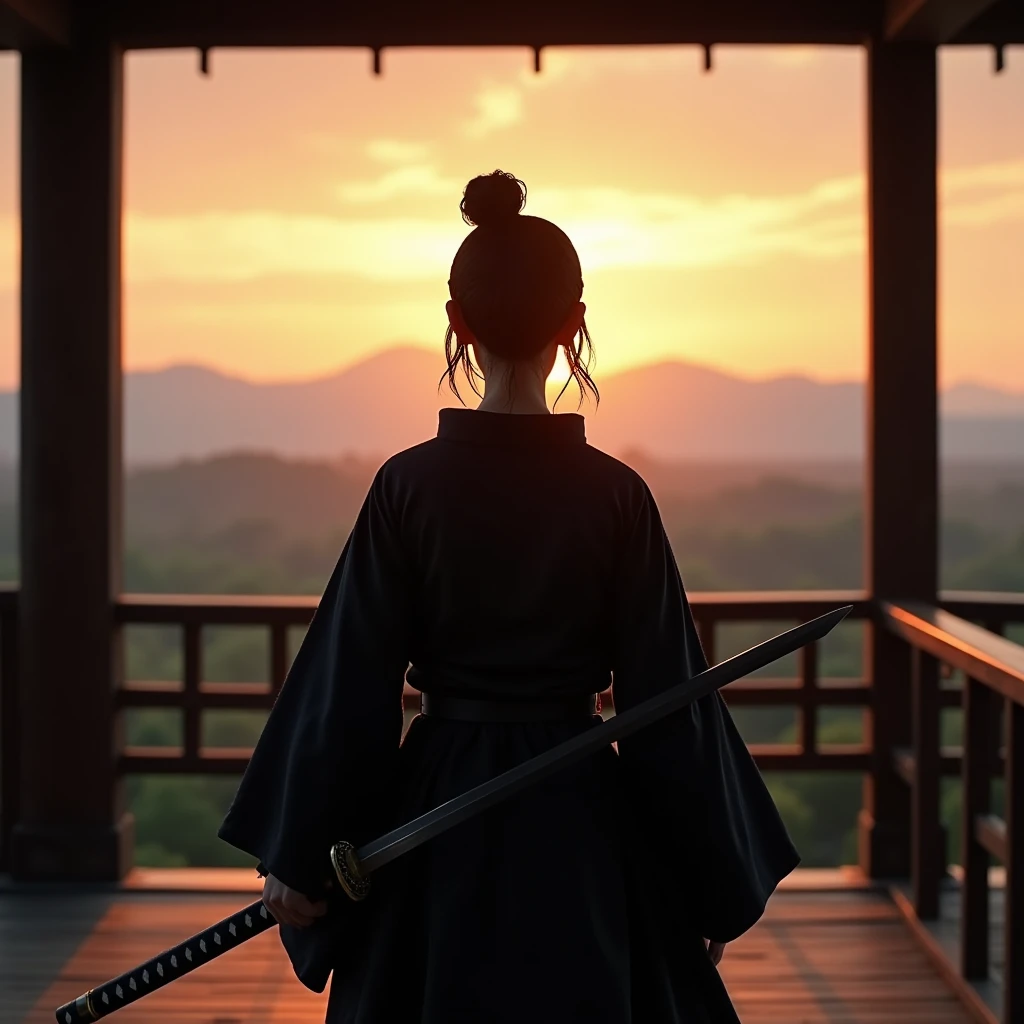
(291,215)
(558,374)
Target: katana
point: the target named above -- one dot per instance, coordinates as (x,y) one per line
(352,866)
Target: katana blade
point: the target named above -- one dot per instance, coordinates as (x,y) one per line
(352,866)
(388,847)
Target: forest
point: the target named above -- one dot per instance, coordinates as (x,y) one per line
(259,524)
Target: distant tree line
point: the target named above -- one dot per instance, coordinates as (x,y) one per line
(252,524)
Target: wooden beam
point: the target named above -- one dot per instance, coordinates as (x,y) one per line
(27,24)
(1002,24)
(902,444)
(72,824)
(930,21)
(530,23)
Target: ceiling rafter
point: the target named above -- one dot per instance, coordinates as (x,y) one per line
(931,21)
(27,24)
(1002,24)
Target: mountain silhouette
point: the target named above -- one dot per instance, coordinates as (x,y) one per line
(671,410)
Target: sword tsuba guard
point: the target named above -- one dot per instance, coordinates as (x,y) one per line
(348,871)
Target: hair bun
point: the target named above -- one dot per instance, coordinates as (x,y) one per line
(491,198)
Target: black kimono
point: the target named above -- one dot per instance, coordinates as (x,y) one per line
(508,559)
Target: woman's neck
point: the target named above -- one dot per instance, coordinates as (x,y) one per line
(516,388)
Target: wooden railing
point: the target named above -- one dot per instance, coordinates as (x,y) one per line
(994,611)
(193,696)
(993,670)
(993,666)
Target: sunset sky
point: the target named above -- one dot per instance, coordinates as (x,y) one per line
(293,213)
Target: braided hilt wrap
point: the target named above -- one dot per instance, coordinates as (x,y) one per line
(169,965)
(348,871)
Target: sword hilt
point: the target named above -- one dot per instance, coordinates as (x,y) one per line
(349,872)
(167,966)
(80,1009)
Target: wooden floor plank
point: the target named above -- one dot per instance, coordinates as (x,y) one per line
(835,958)
(816,958)
(38,934)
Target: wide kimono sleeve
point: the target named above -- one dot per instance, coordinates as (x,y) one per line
(712,832)
(322,768)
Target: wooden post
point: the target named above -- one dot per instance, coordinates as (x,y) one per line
(927,846)
(72,823)
(1013,928)
(902,443)
(978,704)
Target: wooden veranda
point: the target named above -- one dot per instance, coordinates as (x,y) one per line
(62,702)
(842,956)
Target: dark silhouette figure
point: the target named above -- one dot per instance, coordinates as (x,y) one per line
(514,571)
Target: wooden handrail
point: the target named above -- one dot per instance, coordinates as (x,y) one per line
(239,609)
(242,609)
(214,609)
(993,667)
(991,659)
(989,604)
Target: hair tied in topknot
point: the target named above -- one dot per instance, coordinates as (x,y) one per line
(492,198)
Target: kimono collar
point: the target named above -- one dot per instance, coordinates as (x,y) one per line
(511,428)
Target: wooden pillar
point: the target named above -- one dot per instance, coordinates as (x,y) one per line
(72,824)
(902,443)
